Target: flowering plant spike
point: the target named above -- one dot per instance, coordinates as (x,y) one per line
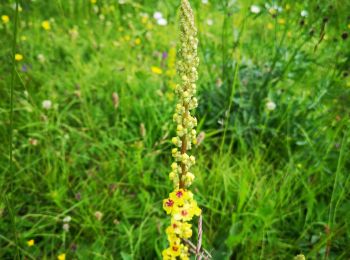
(181,205)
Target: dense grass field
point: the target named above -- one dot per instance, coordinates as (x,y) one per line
(91,94)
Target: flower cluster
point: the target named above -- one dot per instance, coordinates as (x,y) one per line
(181,204)
(187,69)
(182,207)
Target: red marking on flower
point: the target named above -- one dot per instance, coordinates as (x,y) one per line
(179,194)
(175,248)
(169,203)
(184,212)
(174,225)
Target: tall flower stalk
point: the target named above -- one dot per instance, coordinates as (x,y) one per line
(181,205)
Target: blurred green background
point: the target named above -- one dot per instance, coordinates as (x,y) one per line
(93,102)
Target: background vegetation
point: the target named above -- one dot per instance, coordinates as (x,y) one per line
(92,109)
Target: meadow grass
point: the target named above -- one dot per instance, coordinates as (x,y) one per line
(272,182)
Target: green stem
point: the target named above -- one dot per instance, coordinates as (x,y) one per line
(13,74)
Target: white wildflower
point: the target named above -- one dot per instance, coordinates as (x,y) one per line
(270,105)
(255,9)
(47,104)
(157,15)
(41,58)
(304,13)
(210,22)
(162,22)
(67,219)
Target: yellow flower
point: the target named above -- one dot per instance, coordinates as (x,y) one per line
(61,257)
(167,255)
(269,26)
(149,26)
(31,242)
(186,231)
(281,21)
(5,19)
(181,229)
(144,19)
(137,41)
(18,57)
(168,205)
(180,196)
(127,38)
(187,211)
(93,1)
(46,25)
(175,248)
(157,70)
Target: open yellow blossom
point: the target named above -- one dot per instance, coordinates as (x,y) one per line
(5,19)
(31,242)
(18,57)
(156,70)
(168,205)
(137,41)
(61,257)
(46,25)
(180,196)
(93,1)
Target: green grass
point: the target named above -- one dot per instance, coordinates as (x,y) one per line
(272,184)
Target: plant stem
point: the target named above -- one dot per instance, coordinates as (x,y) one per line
(9,205)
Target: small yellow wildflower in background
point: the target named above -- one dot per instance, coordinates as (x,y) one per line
(93,1)
(156,70)
(144,19)
(149,26)
(138,41)
(269,26)
(126,38)
(281,21)
(31,242)
(46,25)
(18,57)
(5,19)
(61,257)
